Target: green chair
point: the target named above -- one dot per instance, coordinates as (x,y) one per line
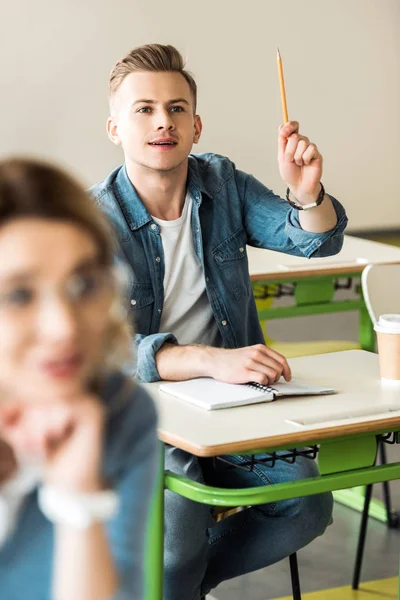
(307,348)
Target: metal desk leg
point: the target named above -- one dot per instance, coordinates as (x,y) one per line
(154,560)
(294,575)
(361,539)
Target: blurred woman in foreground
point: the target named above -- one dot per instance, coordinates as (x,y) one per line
(77,438)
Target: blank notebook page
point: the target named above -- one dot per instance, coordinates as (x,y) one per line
(211,394)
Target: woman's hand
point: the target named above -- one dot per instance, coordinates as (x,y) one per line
(67,435)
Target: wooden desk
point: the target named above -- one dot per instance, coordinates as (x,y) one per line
(313,282)
(266,265)
(347,446)
(355,374)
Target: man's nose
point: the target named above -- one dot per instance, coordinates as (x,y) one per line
(165,120)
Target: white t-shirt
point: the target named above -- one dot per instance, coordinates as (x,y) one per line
(187,311)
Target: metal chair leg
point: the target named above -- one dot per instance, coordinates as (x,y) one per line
(294,575)
(361,538)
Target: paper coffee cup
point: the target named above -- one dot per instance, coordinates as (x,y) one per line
(388,334)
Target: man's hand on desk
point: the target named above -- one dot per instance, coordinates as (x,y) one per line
(253,363)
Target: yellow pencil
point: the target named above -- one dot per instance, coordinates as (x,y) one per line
(282,85)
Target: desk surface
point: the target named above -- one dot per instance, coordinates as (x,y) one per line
(354,374)
(355,254)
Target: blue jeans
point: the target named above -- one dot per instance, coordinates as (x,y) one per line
(200,554)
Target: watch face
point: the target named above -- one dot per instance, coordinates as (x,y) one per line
(308,206)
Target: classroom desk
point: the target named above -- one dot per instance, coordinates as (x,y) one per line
(313,283)
(343,427)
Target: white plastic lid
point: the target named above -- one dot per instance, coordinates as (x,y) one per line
(388,324)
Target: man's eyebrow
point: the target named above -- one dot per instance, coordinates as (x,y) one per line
(147,101)
(177,100)
(143,101)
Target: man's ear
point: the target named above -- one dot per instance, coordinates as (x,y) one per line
(112,131)
(198,126)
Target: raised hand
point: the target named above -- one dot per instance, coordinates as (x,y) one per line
(300,163)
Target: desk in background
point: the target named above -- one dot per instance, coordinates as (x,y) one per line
(314,282)
(338,427)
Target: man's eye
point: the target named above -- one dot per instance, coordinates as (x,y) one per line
(177,109)
(18,297)
(144,109)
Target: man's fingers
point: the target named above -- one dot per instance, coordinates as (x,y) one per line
(261,354)
(300,151)
(270,359)
(271,373)
(288,128)
(286,372)
(311,153)
(285,131)
(295,148)
(258,377)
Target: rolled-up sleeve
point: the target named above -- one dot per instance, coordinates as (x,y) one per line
(317,244)
(271,222)
(147,348)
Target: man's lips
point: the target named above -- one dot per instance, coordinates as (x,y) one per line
(162,142)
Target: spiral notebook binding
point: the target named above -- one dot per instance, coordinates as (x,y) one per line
(260,387)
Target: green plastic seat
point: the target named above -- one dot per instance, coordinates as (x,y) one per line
(306,348)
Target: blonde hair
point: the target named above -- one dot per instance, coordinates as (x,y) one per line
(31,188)
(150,57)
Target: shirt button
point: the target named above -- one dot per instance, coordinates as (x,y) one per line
(207,279)
(159,310)
(153,226)
(318,243)
(158,259)
(224,323)
(133,301)
(241,249)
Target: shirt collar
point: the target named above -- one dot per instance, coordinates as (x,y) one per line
(133,208)
(131,205)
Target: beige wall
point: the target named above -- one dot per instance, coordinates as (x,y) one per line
(341,61)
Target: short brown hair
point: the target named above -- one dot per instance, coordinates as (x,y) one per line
(150,57)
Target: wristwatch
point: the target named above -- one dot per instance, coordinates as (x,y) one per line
(78,510)
(299,206)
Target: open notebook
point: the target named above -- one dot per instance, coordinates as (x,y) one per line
(211,394)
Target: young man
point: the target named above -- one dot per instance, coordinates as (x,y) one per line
(183,222)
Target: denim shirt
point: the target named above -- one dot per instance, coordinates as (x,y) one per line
(130,463)
(230,210)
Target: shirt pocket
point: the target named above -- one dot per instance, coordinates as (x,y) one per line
(231,258)
(141,305)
